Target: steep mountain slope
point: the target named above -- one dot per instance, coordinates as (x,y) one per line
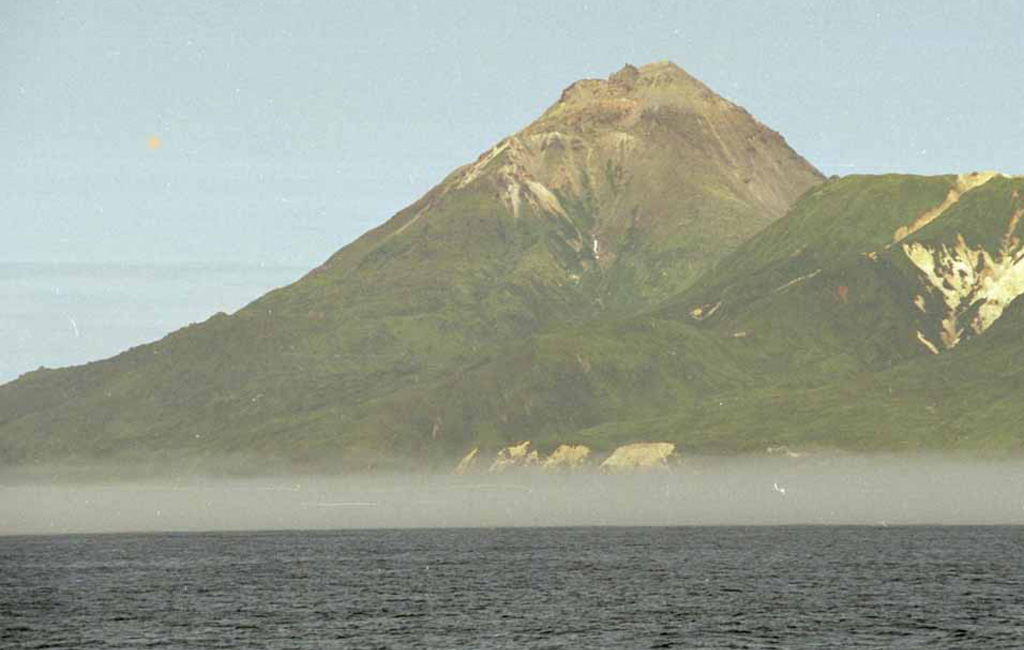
(941,273)
(829,329)
(664,173)
(616,198)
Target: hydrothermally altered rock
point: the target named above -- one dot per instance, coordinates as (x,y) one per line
(567,457)
(520,455)
(636,456)
(640,455)
(469,462)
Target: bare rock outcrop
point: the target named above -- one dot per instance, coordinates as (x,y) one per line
(567,457)
(976,286)
(469,463)
(515,456)
(640,456)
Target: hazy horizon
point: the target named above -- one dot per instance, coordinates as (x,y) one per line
(881,490)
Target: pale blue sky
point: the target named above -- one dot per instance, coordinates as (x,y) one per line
(290,128)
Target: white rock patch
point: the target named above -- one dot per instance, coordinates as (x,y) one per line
(520,455)
(468,462)
(476,168)
(926,343)
(544,198)
(969,278)
(640,455)
(567,457)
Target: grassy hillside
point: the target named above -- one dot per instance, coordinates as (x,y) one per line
(800,342)
(618,197)
(824,331)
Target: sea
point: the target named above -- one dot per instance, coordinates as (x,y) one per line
(519,588)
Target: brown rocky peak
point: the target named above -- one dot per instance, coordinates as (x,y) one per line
(627,76)
(662,73)
(630,90)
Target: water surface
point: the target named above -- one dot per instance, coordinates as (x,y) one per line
(713,587)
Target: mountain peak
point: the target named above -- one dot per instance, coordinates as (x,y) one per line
(636,148)
(615,200)
(632,89)
(664,71)
(659,73)
(628,75)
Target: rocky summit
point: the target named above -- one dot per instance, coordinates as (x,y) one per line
(645,264)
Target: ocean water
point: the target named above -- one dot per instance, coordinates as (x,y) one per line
(686,587)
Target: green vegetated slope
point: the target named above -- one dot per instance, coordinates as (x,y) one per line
(820,332)
(617,198)
(618,271)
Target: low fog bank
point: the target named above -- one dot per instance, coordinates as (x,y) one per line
(750,491)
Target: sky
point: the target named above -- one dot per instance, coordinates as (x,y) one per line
(266,135)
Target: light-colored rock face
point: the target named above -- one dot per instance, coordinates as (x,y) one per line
(515,456)
(975,285)
(567,457)
(522,455)
(639,456)
(469,462)
(636,456)
(926,343)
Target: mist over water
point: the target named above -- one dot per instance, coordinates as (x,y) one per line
(820,490)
